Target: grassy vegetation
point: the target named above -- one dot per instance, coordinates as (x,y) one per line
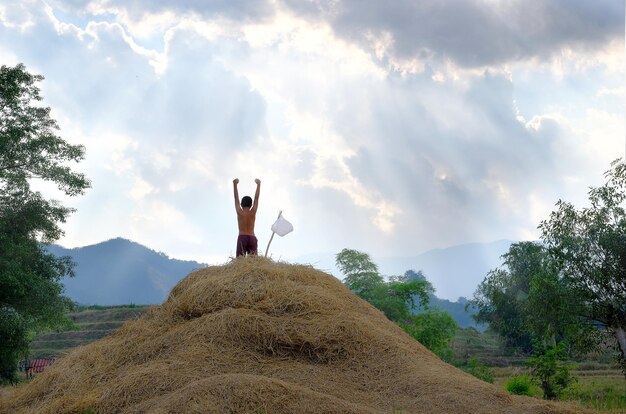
(599,385)
(606,392)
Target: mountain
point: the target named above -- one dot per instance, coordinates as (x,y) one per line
(454,271)
(120,271)
(457,310)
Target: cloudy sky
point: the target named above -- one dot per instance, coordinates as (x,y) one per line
(389,127)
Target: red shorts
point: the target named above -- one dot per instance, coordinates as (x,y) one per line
(246,244)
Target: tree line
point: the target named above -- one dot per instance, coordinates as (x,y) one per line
(31,294)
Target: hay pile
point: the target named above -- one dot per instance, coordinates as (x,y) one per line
(255,336)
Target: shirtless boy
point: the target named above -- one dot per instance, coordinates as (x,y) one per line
(246,214)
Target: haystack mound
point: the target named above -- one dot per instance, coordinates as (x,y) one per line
(255,336)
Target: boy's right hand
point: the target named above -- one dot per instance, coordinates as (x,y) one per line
(236,181)
(257,181)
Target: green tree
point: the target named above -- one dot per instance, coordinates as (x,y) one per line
(30,290)
(361,273)
(589,247)
(527,301)
(395,298)
(501,296)
(399,298)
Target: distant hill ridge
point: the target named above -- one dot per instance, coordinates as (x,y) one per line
(454,271)
(120,271)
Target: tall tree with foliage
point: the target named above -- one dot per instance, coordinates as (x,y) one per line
(361,273)
(396,299)
(589,246)
(31,295)
(501,296)
(526,302)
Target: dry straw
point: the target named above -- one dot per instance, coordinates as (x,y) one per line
(256,336)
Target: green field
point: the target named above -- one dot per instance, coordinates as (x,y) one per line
(599,383)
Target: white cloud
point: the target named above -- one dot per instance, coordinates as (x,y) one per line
(618,92)
(605,134)
(17,16)
(364,139)
(152,219)
(141,188)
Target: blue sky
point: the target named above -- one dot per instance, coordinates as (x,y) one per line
(388,127)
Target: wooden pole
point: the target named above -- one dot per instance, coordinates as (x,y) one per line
(271,238)
(268,244)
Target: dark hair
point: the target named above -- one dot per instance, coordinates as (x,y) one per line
(246,202)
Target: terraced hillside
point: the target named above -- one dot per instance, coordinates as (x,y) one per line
(486,347)
(92,323)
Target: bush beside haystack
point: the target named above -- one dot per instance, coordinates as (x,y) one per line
(255,336)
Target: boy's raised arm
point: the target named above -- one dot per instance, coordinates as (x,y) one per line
(237,205)
(256,194)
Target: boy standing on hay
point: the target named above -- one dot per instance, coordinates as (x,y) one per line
(246,215)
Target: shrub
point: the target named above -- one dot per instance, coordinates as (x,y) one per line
(549,371)
(434,329)
(519,385)
(479,370)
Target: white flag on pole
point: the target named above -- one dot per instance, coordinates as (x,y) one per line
(282,227)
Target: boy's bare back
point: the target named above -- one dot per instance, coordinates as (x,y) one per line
(246,219)
(246,216)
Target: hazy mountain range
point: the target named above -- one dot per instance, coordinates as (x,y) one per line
(455,271)
(120,271)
